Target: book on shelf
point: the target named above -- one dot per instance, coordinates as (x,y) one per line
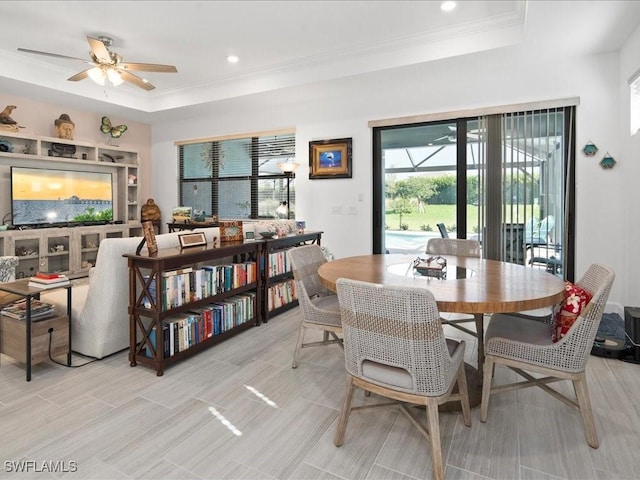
(18,310)
(48,275)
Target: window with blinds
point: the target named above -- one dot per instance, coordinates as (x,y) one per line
(237,177)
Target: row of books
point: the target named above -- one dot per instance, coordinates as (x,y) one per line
(183,331)
(182,286)
(18,310)
(278,263)
(281,294)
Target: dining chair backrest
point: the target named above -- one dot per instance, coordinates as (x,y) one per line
(575,346)
(443,230)
(305,261)
(453,246)
(393,338)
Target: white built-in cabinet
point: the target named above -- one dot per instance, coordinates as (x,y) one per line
(34,151)
(69,249)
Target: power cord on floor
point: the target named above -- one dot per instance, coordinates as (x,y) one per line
(64,364)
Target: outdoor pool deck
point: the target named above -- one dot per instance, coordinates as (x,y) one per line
(408,242)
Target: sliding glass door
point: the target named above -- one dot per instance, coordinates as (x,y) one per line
(422,172)
(506,180)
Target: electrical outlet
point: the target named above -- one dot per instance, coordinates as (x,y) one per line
(352,210)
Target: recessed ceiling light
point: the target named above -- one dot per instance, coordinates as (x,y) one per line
(447,6)
(232,59)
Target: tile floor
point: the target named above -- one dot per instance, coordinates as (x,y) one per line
(239,411)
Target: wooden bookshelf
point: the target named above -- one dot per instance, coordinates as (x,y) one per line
(150,313)
(279,291)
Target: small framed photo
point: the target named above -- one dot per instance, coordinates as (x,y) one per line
(182,214)
(249,235)
(231,231)
(330,158)
(192,239)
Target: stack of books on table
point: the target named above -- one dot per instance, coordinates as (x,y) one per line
(18,310)
(49,280)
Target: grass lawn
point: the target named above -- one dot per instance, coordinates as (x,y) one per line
(446,214)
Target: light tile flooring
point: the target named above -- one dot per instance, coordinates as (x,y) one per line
(239,411)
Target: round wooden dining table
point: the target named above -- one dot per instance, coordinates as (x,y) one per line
(470,285)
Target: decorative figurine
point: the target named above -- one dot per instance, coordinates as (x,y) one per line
(106,127)
(150,211)
(64,127)
(5,115)
(8,124)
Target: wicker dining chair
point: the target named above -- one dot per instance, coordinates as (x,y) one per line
(395,347)
(524,344)
(319,306)
(462,248)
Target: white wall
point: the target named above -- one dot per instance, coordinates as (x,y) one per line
(504,76)
(627,194)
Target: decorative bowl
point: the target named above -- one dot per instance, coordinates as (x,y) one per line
(267,234)
(4,227)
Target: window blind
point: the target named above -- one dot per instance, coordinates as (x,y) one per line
(236,177)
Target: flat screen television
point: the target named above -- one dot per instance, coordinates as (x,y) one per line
(46,197)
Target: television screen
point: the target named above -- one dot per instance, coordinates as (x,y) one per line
(43,196)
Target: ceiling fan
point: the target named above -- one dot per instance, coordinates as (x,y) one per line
(451,138)
(106,64)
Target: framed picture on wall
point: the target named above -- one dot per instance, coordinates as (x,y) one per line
(330,158)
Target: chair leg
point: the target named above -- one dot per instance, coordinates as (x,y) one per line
(487,378)
(584,402)
(479,319)
(294,364)
(338,440)
(433,420)
(464,394)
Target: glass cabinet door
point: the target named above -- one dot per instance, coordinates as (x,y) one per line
(57,253)
(28,251)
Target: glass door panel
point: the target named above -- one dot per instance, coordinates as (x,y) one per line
(420,185)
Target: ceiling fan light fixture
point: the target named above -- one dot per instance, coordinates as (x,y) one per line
(97,75)
(114,77)
(447,6)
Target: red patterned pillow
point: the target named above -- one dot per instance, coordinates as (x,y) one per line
(575,299)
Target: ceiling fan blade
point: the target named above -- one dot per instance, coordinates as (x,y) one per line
(137,81)
(147,67)
(79,76)
(26,50)
(447,137)
(99,50)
